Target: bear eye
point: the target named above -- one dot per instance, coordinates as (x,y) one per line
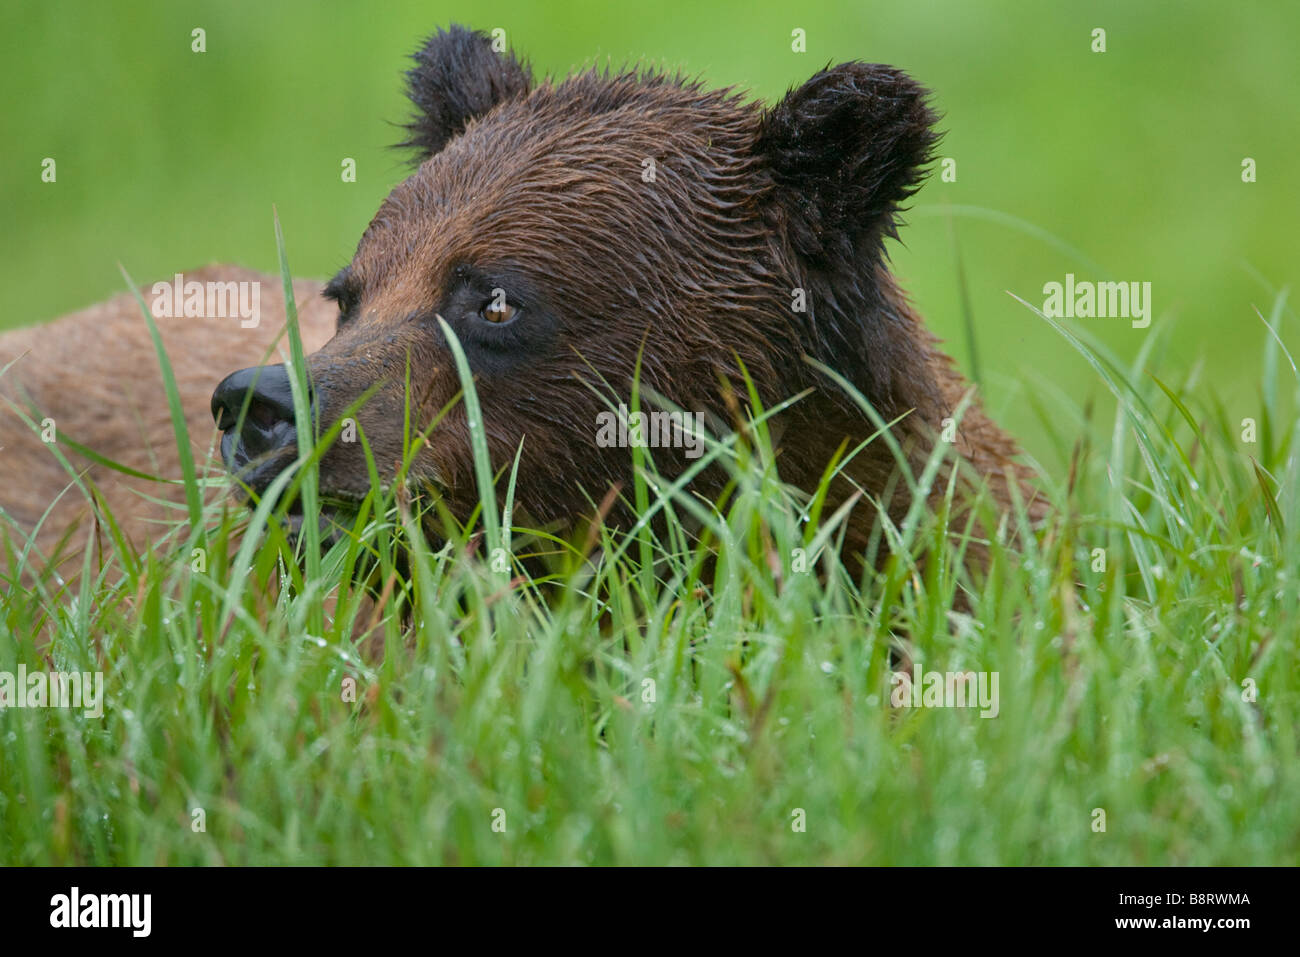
(498,311)
(342,289)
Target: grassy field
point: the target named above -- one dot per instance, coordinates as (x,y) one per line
(625,706)
(628,708)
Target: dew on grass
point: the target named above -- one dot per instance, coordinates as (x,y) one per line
(734,732)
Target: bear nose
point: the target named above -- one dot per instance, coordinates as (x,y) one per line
(269,423)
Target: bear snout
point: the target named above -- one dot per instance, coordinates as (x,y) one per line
(266,428)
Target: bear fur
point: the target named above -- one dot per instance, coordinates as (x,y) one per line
(96,375)
(569,232)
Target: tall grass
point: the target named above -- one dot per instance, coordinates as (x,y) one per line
(679,692)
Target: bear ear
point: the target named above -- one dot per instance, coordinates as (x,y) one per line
(457,77)
(845,150)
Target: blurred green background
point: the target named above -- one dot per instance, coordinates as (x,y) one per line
(1122,165)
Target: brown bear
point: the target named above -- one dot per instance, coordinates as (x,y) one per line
(572,232)
(566,231)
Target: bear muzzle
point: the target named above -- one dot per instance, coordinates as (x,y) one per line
(256,446)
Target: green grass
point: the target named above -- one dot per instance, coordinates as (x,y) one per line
(629,706)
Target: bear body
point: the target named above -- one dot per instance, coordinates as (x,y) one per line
(575,235)
(95,377)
